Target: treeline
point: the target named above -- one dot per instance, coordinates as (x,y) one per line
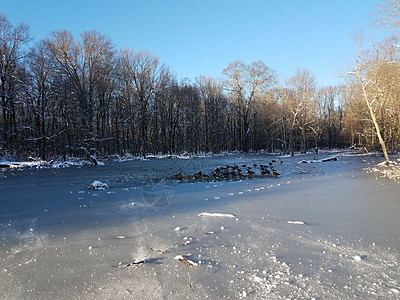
(75,96)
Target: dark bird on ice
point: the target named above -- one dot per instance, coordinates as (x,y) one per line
(198,175)
(178,177)
(265,171)
(205,176)
(275,173)
(249,172)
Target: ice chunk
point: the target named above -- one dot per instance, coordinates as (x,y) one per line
(296,222)
(98,185)
(216,215)
(357,257)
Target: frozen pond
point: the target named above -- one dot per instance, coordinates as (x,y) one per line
(322,230)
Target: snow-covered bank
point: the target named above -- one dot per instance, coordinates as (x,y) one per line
(52,164)
(389,169)
(319,230)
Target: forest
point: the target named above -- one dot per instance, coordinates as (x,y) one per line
(70,96)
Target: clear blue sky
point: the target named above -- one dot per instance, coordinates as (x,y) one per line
(202,37)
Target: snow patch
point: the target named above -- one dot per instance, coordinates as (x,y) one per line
(359,257)
(216,215)
(296,222)
(389,169)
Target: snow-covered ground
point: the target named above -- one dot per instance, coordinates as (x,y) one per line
(389,170)
(42,164)
(322,229)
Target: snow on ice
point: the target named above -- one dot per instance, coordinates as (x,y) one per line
(296,222)
(215,215)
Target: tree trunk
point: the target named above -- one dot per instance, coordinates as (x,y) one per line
(373,117)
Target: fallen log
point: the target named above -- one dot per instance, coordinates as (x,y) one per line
(318,160)
(329,159)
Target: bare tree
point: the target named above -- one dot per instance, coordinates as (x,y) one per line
(40,68)
(12,40)
(373,83)
(244,83)
(165,94)
(142,73)
(84,63)
(388,17)
(331,115)
(214,109)
(299,104)
(303,87)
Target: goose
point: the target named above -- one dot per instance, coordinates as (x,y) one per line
(249,172)
(215,175)
(178,176)
(265,171)
(198,175)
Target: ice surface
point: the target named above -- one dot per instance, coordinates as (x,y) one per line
(321,230)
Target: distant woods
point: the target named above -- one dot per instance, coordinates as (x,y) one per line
(79,96)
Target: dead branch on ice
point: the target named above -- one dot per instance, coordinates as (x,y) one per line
(188,263)
(318,160)
(137,262)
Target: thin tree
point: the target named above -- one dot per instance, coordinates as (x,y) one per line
(370,96)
